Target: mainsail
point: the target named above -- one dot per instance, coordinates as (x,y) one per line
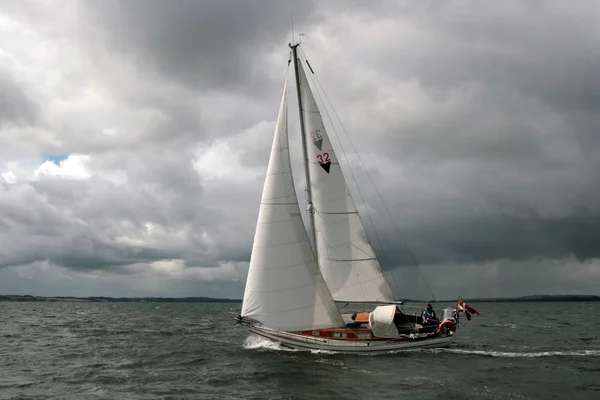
(285,289)
(346,258)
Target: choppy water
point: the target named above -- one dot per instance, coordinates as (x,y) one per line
(195,351)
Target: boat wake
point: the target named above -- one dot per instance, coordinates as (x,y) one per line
(257,342)
(507,354)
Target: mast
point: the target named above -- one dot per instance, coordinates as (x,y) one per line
(313,235)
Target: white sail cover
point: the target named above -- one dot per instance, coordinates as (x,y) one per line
(346,258)
(381,321)
(285,289)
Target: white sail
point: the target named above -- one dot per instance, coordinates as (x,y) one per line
(285,289)
(346,258)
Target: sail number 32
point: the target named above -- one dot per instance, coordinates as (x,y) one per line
(323,158)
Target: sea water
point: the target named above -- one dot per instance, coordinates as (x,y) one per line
(195,351)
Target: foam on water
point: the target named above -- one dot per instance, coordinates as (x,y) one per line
(508,354)
(257,342)
(323,352)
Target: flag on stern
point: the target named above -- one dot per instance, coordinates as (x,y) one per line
(464,307)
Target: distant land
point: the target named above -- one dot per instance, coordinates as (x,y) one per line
(541,297)
(104,299)
(532,298)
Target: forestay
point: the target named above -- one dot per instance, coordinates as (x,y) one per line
(346,258)
(285,289)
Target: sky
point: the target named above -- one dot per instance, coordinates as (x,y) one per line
(134,139)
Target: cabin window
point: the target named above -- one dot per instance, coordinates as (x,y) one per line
(316,333)
(339,334)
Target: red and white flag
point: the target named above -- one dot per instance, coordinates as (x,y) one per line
(464,307)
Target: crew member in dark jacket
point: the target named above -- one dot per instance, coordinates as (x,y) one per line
(429,316)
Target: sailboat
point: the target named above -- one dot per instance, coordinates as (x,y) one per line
(294,280)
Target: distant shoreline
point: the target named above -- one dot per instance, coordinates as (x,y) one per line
(105,299)
(535,298)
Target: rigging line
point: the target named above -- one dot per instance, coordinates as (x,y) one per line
(395,283)
(372,183)
(292,21)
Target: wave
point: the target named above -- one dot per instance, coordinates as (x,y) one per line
(16,385)
(256,342)
(194,361)
(506,325)
(508,354)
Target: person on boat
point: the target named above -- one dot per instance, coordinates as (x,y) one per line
(429,316)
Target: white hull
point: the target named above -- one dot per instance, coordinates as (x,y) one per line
(302,342)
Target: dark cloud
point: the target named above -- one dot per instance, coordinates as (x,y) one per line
(203,44)
(478,123)
(65,223)
(481,128)
(16,105)
(482,238)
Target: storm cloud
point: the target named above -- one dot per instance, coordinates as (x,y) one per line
(134,138)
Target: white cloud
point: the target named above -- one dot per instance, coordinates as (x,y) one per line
(9,176)
(73,167)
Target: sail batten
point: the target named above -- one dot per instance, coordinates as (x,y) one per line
(285,289)
(348,262)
